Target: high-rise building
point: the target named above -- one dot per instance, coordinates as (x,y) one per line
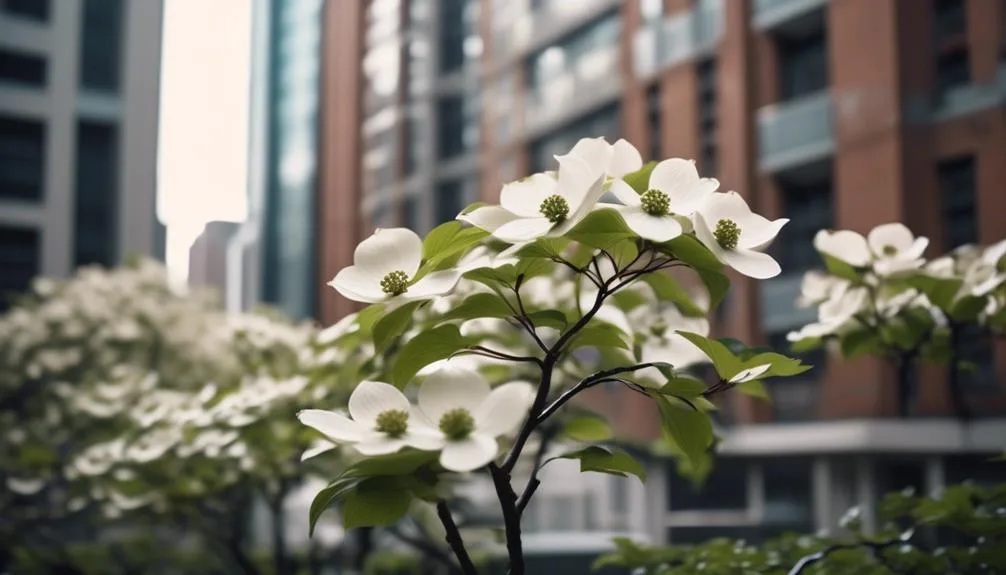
(840,113)
(208,255)
(79,93)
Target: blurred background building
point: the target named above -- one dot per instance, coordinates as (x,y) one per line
(79,92)
(835,114)
(208,255)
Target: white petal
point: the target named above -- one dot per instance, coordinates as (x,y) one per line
(355,284)
(523,229)
(371,398)
(524,197)
(674,176)
(895,235)
(595,152)
(331,424)
(750,373)
(581,209)
(469,454)
(994,253)
(488,217)
(379,444)
(316,449)
(625,193)
(424,438)
(916,250)
(389,250)
(759,232)
(657,229)
(433,284)
(846,245)
(705,235)
(575,177)
(450,388)
(504,409)
(753,264)
(625,158)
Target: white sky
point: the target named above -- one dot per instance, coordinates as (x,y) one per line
(203,125)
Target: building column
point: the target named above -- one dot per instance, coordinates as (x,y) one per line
(822,490)
(866,493)
(935,478)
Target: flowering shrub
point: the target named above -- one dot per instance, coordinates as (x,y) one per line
(880,296)
(483,334)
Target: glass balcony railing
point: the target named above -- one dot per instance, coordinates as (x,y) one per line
(678,37)
(770,13)
(550,20)
(795,132)
(592,80)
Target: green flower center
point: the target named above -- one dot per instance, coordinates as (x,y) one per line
(393,422)
(457,424)
(655,202)
(727,234)
(555,208)
(890,250)
(395,283)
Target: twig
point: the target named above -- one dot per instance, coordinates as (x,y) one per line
(523,318)
(453,538)
(547,435)
(425,547)
(599,377)
(511,517)
(874,546)
(486,352)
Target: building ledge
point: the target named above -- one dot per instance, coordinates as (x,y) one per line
(867,436)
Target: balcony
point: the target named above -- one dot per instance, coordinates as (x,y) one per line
(972,98)
(593,80)
(767,14)
(678,38)
(796,132)
(551,21)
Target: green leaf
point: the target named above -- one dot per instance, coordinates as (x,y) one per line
(503,276)
(967,308)
(640,179)
(692,252)
(601,229)
(781,365)
(327,497)
(717,284)
(857,343)
(726,363)
(375,503)
(599,336)
(837,267)
(668,289)
(753,388)
(439,239)
(447,242)
(544,248)
(399,463)
(423,349)
(587,428)
(683,387)
(548,318)
(368,316)
(940,291)
(688,429)
(806,344)
(393,324)
(603,460)
(479,305)
(532,267)
(628,300)
(624,252)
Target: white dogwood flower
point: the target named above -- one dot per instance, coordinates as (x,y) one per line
(541,204)
(728,227)
(467,415)
(817,287)
(382,421)
(895,248)
(612,160)
(675,191)
(844,245)
(385,266)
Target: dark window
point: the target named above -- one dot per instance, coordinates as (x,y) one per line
(796,398)
(32,9)
(809,209)
(97,207)
(803,65)
(977,370)
(101,54)
(708,152)
(450,129)
(453,30)
(653,116)
(22,159)
(956,178)
(450,200)
(724,489)
(410,213)
(19,260)
(895,475)
(413,140)
(950,19)
(22,68)
(788,493)
(953,70)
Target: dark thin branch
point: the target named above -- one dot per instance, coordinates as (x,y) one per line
(956,393)
(523,319)
(599,377)
(547,435)
(486,352)
(454,540)
(876,547)
(425,547)
(511,517)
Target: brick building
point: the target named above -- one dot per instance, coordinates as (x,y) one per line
(841,113)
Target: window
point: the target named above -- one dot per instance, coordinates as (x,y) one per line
(895,475)
(450,200)
(410,213)
(19,260)
(22,159)
(956,179)
(37,10)
(724,489)
(803,65)
(22,68)
(653,116)
(788,493)
(953,70)
(96,218)
(574,54)
(950,19)
(796,398)
(708,153)
(450,131)
(977,352)
(809,209)
(458,21)
(101,55)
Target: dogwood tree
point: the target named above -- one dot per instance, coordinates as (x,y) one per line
(566,293)
(880,296)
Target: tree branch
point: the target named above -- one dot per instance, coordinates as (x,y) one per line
(599,377)
(511,517)
(486,352)
(454,540)
(547,435)
(876,547)
(425,547)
